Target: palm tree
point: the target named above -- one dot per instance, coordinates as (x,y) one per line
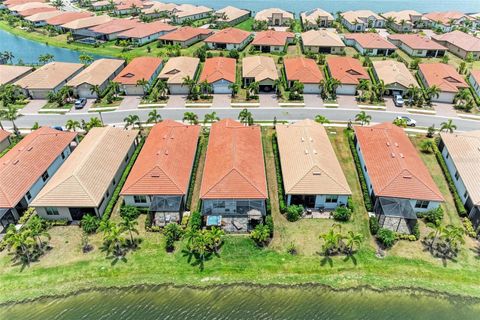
(162,88)
(114,239)
(331,240)
(363,117)
(211,118)
(216,236)
(7,56)
(453,236)
(190,117)
(154,116)
(95,122)
(189,82)
(380,88)
(321,119)
(144,84)
(85,58)
(72,125)
(130,226)
(205,87)
(37,230)
(260,234)
(45,58)
(132,120)
(352,239)
(448,126)
(19,241)
(10,113)
(245,117)
(234,87)
(432,92)
(95,90)
(254,87)
(278,87)
(114,87)
(333,84)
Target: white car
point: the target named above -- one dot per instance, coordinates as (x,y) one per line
(410,122)
(398,100)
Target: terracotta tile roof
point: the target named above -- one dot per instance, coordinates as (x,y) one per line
(443,76)
(50,75)
(229,35)
(445,17)
(143,30)
(234,164)
(114,26)
(231,13)
(302,69)
(259,67)
(460,39)
(9,73)
(97,73)
(29,5)
(178,68)
(219,68)
(416,42)
(159,7)
(141,68)
(370,41)
(86,23)
(308,161)
(67,17)
(393,164)
(164,165)
(272,38)
(322,38)
(464,150)
(127,4)
(25,163)
(4,135)
(86,175)
(11,3)
(347,70)
(394,72)
(359,16)
(398,16)
(186,10)
(267,13)
(185,33)
(43,16)
(312,16)
(34,11)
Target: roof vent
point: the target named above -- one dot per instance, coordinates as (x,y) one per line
(314,151)
(316,173)
(166,152)
(393,155)
(407,176)
(396,144)
(388,143)
(155,175)
(15,161)
(401,155)
(311,139)
(306,151)
(30,148)
(303,139)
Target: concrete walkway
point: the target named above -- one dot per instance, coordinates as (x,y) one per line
(176,101)
(312,100)
(130,103)
(33,106)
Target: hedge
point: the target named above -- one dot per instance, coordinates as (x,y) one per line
(116,194)
(193,179)
(278,171)
(451,185)
(363,182)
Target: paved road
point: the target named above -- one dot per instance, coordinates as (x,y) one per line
(344,114)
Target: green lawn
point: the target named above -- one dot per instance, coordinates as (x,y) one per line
(54,105)
(246,25)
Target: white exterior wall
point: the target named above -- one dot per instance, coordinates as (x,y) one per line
(316,49)
(411,52)
(178,89)
(231,46)
(133,90)
(129,201)
(446,97)
(461,189)
(349,89)
(4,144)
(311,88)
(475,85)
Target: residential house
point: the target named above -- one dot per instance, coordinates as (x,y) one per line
(445,77)
(144,33)
(417,46)
(96,76)
(65,18)
(185,12)
(110,30)
(312,175)
(231,16)
(473,78)
(272,41)
(80,28)
(130,7)
(305,71)
(176,70)
(361,20)
(185,36)
(234,187)
(104,5)
(461,154)
(28,166)
(397,179)
(158,10)
(11,74)
(448,20)
(229,39)
(85,183)
(40,19)
(50,77)
(275,17)
(21,9)
(316,18)
(322,41)
(348,71)
(4,140)
(160,179)
(395,75)
(403,21)
(138,70)
(460,44)
(370,44)
(29,12)
(259,69)
(220,72)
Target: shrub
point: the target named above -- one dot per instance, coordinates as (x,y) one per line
(403,236)
(269,224)
(129,212)
(234,54)
(386,237)
(281,195)
(366,194)
(294,213)
(260,234)
(469,230)
(172,232)
(374,226)
(195,221)
(434,216)
(90,223)
(416,231)
(292,249)
(26,215)
(342,214)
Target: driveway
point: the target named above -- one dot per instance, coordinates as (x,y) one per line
(312,100)
(347,102)
(33,106)
(390,105)
(130,103)
(383,32)
(87,107)
(221,101)
(176,101)
(445,109)
(268,100)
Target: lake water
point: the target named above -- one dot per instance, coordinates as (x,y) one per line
(470,6)
(243,303)
(28,51)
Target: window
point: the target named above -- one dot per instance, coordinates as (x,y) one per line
(101,202)
(421,204)
(457,175)
(45,176)
(63,155)
(113,182)
(465,195)
(126,158)
(108,194)
(29,195)
(448,155)
(331,199)
(140,199)
(51,211)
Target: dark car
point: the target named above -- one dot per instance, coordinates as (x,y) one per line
(80,103)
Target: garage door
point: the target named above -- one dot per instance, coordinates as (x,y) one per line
(311,88)
(221,88)
(346,90)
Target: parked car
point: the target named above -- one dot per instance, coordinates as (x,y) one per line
(59,128)
(80,103)
(398,100)
(410,122)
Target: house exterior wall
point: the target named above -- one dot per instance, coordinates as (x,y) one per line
(446,97)
(147,39)
(316,49)
(222,86)
(210,207)
(178,89)
(135,90)
(191,17)
(459,52)
(231,46)
(320,201)
(475,85)
(348,89)
(270,48)
(4,144)
(311,88)
(459,184)
(43,93)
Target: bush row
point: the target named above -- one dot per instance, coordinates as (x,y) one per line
(193,179)
(469,230)
(363,182)
(278,171)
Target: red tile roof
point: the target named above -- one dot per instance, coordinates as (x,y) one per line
(393,164)
(67,17)
(143,30)
(443,76)
(25,163)
(272,38)
(347,70)
(417,42)
(4,135)
(234,164)
(115,26)
(229,35)
(141,68)
(219,68)
(370,41)
(164,165)
(460,39)
(303,70)
(11,3)
(31,12)
(185,33)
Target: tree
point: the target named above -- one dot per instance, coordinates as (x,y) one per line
(234,87)
(448,126)
(154,117)
(114,87)
(85,58)
(114,240)
(363,117)
(260,234)
(90,223)
(331,240)
(93,123)
(162,88)
(210,118)
(132,120)
(216,236)
(352,239)
(38,229)
(400,122)
(254,87)
(144,84)
(191,117)
(72,125)
(57,3)
(7,56)
(45,58)
(386,237)
(10,113)
(95,90)
(129,225)
(453,236)
(380,88)
(427,145)
(189,82)
(321,119)
(19,241)
(245,117)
